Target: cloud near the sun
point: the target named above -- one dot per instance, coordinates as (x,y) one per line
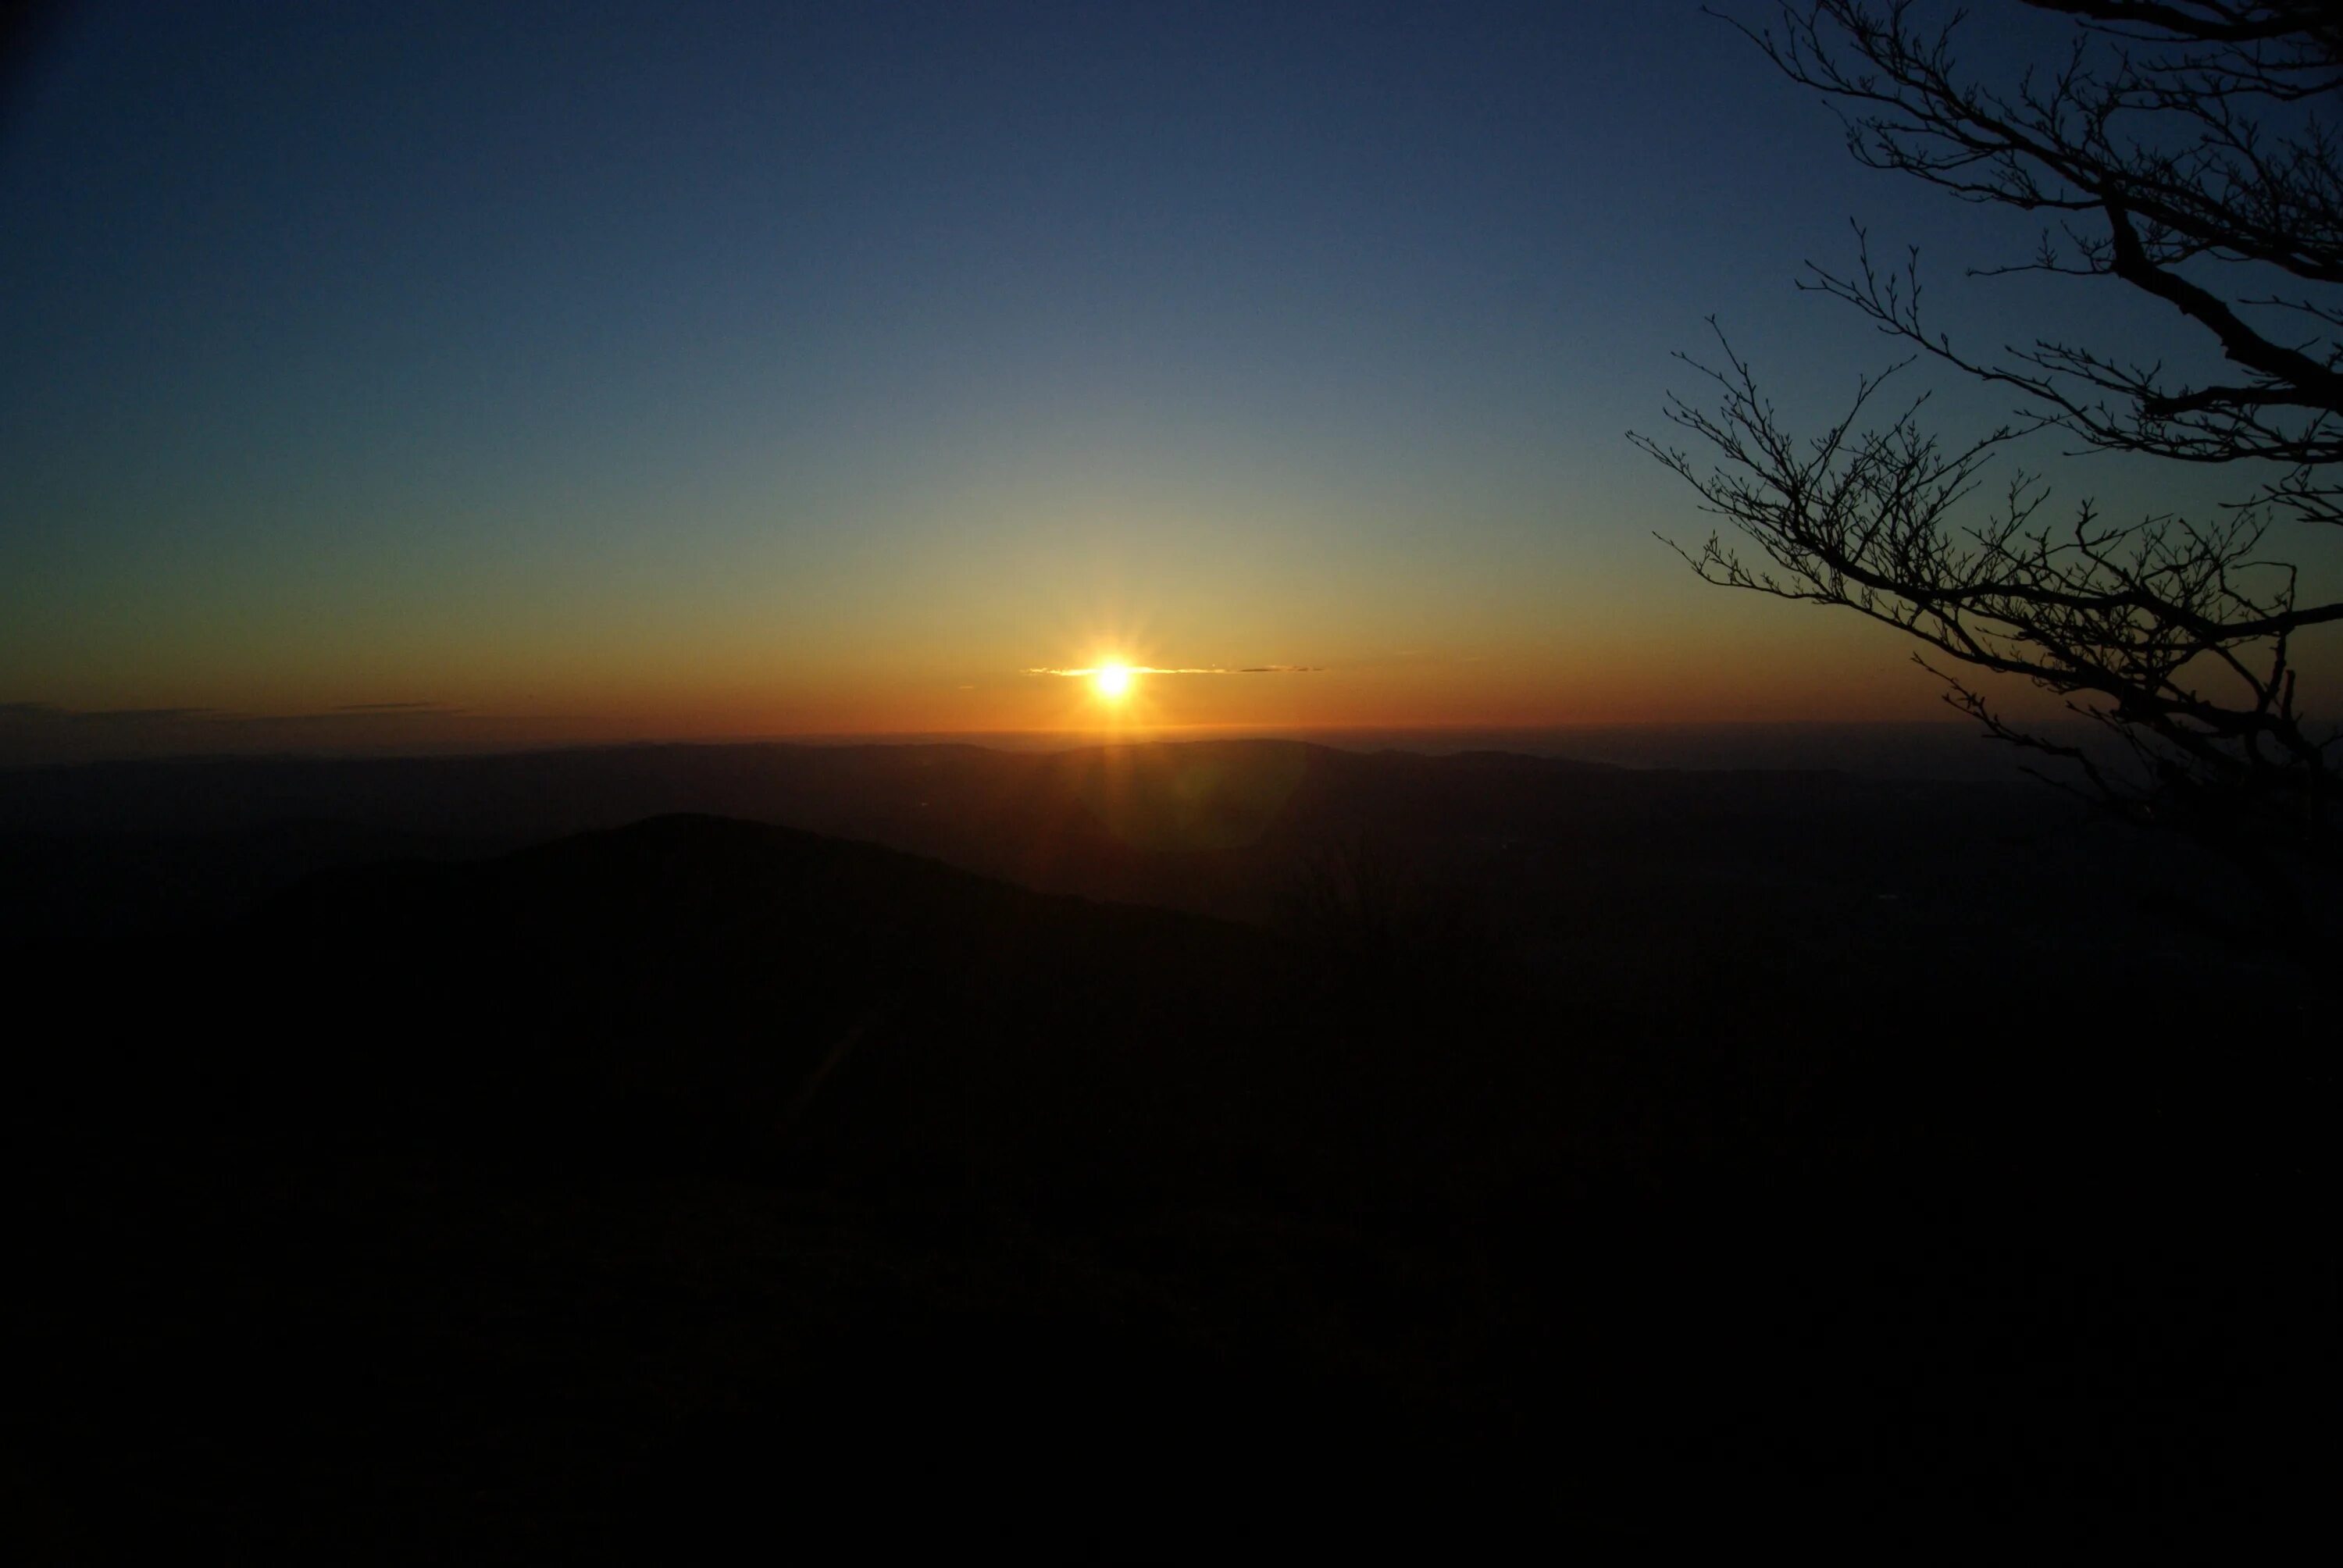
(1195,669)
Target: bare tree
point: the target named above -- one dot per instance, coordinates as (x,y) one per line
(2183,148)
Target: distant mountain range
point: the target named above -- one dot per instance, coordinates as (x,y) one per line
(1218,828)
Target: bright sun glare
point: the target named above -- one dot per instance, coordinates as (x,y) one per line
(1112,681)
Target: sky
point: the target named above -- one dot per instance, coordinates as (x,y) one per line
(427,373)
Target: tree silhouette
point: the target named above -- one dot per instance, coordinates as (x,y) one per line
(2184,148)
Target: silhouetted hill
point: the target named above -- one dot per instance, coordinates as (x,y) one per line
(715,975)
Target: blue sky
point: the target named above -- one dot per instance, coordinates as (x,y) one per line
(750,369)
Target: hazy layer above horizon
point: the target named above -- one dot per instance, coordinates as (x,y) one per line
(37,737)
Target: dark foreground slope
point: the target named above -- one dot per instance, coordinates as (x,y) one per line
(705,1174)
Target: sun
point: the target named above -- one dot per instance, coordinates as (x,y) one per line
(1111,681)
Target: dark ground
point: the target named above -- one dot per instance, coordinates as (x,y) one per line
(1439,1145)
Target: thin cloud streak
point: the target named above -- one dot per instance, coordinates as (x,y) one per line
(1195,669)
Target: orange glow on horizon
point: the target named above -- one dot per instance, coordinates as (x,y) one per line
(1300,680)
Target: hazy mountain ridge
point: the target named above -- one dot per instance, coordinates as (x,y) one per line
(1218,827)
